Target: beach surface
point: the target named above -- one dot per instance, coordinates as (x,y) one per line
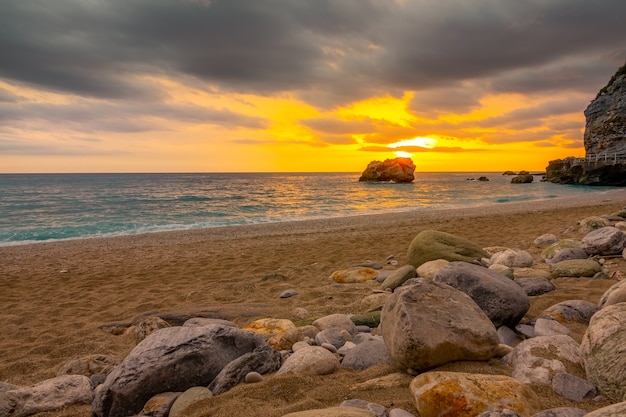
(56,296)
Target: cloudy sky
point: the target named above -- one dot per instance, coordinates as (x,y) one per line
(299,85)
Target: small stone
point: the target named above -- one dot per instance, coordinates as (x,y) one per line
(288,293)
(252,377)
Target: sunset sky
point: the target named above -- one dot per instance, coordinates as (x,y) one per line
(300,85)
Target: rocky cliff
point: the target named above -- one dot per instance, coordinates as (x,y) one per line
(605,128)
(604,139)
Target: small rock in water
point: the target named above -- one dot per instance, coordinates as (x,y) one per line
(288,293)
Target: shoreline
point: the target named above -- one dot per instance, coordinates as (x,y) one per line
(344,221)
(57,295)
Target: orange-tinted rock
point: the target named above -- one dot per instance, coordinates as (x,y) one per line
(270,326)
(354,275)
(457,394)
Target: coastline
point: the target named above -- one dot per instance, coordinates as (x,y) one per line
(56,295)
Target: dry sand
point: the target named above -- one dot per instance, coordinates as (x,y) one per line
(54,296)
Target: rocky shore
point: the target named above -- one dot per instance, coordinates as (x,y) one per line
(502,311)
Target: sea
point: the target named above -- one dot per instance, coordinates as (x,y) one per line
(49,207)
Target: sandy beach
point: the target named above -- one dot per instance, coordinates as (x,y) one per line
(55,296)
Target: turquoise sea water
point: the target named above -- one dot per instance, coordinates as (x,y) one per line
(43,207)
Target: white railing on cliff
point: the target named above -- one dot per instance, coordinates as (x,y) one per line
(606,158)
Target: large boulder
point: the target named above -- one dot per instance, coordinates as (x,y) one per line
(396,170)
(537,360)
(438,394)
(172,359)
(503,300)
(430,245)
(428,324)
(605,241)
(602,350)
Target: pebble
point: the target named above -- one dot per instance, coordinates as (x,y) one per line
(252,377)
(288,293)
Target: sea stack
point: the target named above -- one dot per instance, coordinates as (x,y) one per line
(390,170)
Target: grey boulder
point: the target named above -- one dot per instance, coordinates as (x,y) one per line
(504,301)
(171,359)
(605,241)
(428,324)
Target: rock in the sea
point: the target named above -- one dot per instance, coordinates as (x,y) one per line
(171,359)
(437,394)
(513,258)
(504,301)
(263,360)
(354,275)
(522,179)
(396,170)
(428,324)
(605,241)
(430,245)
(615,294)
(48,395)
(311,360)
(537,360)
(576,268)
(603,353)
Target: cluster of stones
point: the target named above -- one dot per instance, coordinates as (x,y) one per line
(453,301)
(523,177)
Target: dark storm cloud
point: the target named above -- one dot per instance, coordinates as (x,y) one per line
(323,49)
(107,117)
